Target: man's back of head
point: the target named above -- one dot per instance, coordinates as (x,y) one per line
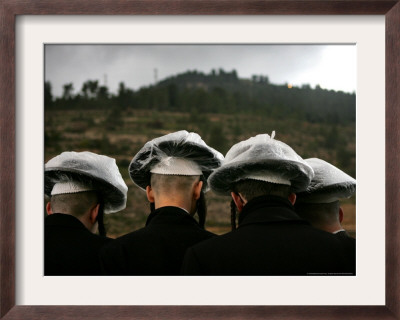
(324,216)
(78,204)
(246,190)
(254,188)
(175,190)
(173,186)
(320,202)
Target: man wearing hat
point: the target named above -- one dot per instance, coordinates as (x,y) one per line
(173,170)
(320,203)
(262,176)
(82,186)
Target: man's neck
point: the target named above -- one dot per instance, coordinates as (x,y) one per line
(173,202)
(334,228)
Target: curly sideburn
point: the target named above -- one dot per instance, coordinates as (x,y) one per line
(100,220)
(233,215)
(202,209)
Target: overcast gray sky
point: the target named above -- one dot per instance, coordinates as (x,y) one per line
(330,66)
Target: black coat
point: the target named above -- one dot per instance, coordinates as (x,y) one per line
(70,248)
(349,246)
(156,249)
(271,240)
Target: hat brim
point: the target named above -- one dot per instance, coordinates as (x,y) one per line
(338,191)
(222,179)
(114,199)
(140,174)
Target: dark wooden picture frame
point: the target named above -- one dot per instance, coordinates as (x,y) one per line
(9,9)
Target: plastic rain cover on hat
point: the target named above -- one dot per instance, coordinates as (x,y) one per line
(177,166)
(328,185)
(177,153)
(261,158)
(99,172)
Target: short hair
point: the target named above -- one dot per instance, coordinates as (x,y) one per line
(181,184)
(103,191)
(251,189)
(161,183)
(318,213)
(76,204)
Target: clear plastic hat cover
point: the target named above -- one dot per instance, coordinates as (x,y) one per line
(98,171)
(177,166)
(261,156)
(180,144)
(328,185)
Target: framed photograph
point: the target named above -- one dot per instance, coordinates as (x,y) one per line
(26,294)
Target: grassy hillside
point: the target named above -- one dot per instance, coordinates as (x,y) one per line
(120,134)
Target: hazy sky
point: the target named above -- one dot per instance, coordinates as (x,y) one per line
(330,66)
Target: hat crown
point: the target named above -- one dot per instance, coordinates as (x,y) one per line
(260,147)
(181,145)
(180,137)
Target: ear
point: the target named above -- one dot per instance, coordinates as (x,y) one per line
(150,194)
(238,201)
(93,213)
(340,214)
(292,198)
(197,190)
(48,208)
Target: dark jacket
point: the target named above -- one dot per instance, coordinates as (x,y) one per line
(349,246)
(271,240)
(70,248)
(156,249)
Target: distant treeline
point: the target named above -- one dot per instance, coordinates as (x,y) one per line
(216,92)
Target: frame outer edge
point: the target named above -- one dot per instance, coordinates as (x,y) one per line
(7,177)
(7,161)
(200,312)
(202,7)
(393,159)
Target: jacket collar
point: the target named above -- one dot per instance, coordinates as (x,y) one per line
(267,209)
(342,233)
(66,220)
(170,215)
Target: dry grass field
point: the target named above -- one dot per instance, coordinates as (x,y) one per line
(121,137)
